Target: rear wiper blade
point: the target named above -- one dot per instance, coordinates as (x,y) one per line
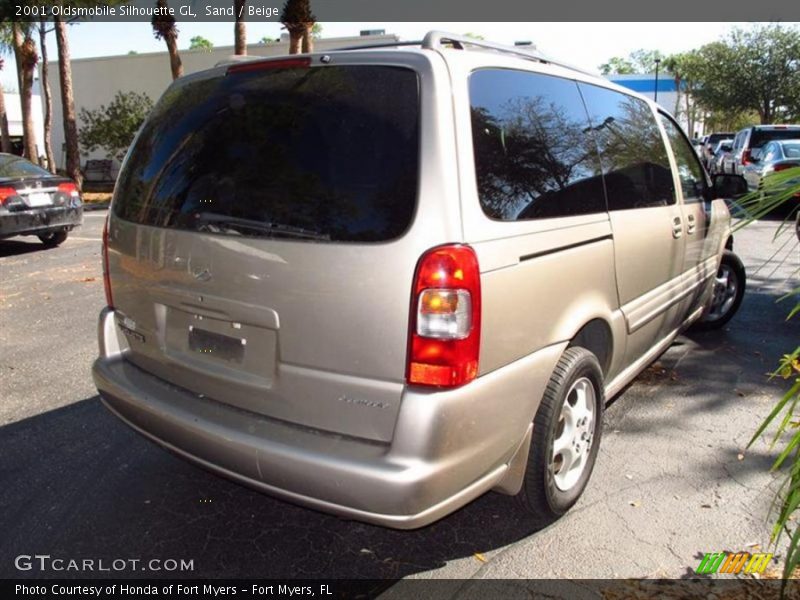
(272,229)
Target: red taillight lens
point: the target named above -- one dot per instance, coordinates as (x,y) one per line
(264,65)
(745,157)
(106,276)
(445,320)
(68,188)
(784,166)
(6,193)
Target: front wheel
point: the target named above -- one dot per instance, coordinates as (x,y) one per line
(729,286)
(566,437)
(53,238)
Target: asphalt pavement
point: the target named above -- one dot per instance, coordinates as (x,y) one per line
(673,479)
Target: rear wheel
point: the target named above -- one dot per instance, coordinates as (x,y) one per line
(53,238)
(729,286)
(566,437)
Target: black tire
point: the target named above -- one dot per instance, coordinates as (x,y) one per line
(719,311)
(540,495)
(53,238)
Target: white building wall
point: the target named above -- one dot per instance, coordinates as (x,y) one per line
(97,80)
(14,115)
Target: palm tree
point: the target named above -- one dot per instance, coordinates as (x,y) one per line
(672,64)
(27,57)
(239,31)
(73,165)
(5,138)
(298,20)
(48,100)
(164,29)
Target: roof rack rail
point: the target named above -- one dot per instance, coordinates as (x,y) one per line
(436,39)
(377,45)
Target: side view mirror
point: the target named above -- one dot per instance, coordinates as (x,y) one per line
(727,185)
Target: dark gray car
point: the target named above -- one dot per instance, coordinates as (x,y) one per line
(34,201)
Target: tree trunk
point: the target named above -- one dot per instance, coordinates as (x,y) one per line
(5,139)
(677,95)
(48,100)
(174,58)
(690,116)
(295,41)
(766,113)
(73,165)
(26,62)
(308,39)
(239,29)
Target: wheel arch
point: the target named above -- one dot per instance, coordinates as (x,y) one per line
(597,338)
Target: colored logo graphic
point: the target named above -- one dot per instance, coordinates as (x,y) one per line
(734,563)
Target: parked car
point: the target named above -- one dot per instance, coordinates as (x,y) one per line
(710,144)
(383,281)
(776,156)
(33,201)
(722,148)
(748,143)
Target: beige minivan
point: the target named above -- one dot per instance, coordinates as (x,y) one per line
(381,282)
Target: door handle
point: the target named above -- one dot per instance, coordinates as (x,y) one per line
(691,226)
(677,227)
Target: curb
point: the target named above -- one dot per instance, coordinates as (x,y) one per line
(95,206)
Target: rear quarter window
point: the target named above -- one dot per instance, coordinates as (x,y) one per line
(534,154)
(318,154)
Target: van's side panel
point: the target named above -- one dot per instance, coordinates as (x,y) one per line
(543,279)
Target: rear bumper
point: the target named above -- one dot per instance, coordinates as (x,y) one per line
(39,220)
(448,448)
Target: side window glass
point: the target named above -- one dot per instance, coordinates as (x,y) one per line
(534,154)
(636,169)
(690,172)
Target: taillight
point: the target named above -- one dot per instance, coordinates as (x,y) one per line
(264,65)
(745,157)
(784,166)
(68,188)
(445,320)
(106,275)
(6,193)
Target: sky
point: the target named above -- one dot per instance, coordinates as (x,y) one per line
(584,45)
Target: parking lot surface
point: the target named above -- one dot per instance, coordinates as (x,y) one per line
(673,478)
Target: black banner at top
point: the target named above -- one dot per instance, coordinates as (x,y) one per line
(413,10)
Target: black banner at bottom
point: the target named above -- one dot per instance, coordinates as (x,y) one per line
(433,589)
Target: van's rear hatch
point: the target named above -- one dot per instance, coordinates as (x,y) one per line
(255,242)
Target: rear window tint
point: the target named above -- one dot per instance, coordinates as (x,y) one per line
(318,154)
(762,136)
(791,150)
(14,166)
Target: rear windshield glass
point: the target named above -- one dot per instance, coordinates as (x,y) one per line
(791,150)
(318,154)
(14,166)
(762,136)
(715,137)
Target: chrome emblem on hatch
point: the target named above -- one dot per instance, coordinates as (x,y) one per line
(202,275)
